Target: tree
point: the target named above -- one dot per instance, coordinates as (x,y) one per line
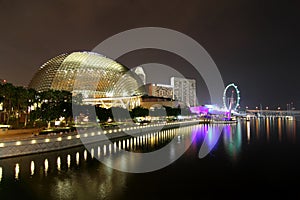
(104,114)
(54,104)
(139,112)
(8,94)
(120,114)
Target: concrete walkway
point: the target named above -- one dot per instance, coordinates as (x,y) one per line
(15,134)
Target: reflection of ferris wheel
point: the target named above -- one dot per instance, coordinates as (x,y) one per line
(231,97)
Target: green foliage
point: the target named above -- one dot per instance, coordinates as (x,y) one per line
(16,101)
(104,114)
(139,112)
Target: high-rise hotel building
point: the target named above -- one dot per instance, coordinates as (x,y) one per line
(184,90)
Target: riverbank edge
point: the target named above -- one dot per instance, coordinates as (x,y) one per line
(8,151)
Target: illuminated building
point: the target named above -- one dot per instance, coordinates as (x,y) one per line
(159,90)
(152,101)
(99,79)
(141,74)
(184,90)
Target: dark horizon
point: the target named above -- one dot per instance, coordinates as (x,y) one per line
(254,44)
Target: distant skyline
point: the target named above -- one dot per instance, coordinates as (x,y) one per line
(254,44)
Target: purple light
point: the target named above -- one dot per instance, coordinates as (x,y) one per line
(199,110)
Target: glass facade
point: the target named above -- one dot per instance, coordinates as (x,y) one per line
(88,73)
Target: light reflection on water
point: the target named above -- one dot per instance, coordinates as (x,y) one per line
(32,168)
(232,138)
(76,173)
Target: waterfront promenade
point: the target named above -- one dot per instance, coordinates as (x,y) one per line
(16,134)
(23,143)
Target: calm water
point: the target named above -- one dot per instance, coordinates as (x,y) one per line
(251,159)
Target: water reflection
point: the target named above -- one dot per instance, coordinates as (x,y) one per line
(279,129)
(69,161)
(17,171)
(77,158)
(46,166)
(257,127)
(99,152)
(85,155)
(72,178)
(268,128)
(92,152)
(208,135)
(291,129)
(32,168)
(232,138)
(58,164)
(0,174)
(248,131)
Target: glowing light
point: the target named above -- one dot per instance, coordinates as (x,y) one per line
(77,158)
(47,140)
(77,136)
(18,143)
(59,139)
(225,99)
(92,152)
(115,147)
(69,137)
(99,152)
(268,128)
(17,171)
(1,144)
(248,131)
(46,166)
(104,150)
(178,139)
(85,155)
(279,129)
(69,160)
(58,161)
(1,174)
(32,168)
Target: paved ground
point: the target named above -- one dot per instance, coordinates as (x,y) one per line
(16,134)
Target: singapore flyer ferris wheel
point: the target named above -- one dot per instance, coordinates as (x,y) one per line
(231,97)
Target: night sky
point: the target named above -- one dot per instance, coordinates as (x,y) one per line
(255,44)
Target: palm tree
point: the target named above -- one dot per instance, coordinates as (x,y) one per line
(8,95)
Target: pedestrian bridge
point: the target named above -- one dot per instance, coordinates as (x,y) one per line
(274,112)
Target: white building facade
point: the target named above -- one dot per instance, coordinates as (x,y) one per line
(184,90)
